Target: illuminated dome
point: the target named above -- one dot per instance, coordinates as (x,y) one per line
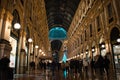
(57,33)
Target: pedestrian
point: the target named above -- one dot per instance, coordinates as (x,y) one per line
(6,73)
(106,64)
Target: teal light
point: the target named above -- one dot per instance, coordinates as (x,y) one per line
(57,33)
(65,73)
(64,59)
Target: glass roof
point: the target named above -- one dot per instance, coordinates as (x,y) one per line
(57,33)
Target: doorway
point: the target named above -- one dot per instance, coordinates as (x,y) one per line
(115,34)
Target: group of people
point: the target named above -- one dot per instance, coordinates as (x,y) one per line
(100,65)
(6,73)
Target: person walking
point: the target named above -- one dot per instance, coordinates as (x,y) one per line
(6,73)
(106,65)
(85,64)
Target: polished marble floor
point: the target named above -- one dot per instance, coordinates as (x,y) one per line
(60,75)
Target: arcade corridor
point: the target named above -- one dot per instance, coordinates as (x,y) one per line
(80,39)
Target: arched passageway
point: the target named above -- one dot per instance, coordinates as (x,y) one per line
(115,44)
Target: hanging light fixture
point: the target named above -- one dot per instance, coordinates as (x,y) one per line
(36,46)
(103,46)
(118,40)
(17,26)
(30,40)
(40,50)
(93,50)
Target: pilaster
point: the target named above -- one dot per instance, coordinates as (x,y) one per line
(2,12)
(5,23)
(23,62)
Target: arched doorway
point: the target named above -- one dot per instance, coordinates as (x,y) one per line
(115,34)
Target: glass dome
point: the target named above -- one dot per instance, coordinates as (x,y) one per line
(57,33)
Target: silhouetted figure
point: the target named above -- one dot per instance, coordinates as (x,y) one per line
(85,64)
(80,68)
(41,64)
(6,73)
(44,66)
(106,64)
(32,65)
(99,67)
(92,63)
(53,67)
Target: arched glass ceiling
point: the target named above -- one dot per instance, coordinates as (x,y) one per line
(57,33)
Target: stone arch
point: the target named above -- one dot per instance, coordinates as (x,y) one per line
(20,12)
(115,26)
(115,46)
(114,34)
(16,17)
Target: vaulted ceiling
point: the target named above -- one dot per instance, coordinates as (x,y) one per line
(60,14)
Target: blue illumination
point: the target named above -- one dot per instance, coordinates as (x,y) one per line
(57,33)
(64,59)
(65,73)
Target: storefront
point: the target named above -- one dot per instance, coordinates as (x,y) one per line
(115,44)
(13,43)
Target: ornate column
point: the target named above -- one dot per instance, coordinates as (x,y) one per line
(23,53)
(19,52)
(110,57)
(30,54)
(2,12)
(5,46)
(36,56)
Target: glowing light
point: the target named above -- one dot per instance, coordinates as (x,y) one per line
(40,50)
(30,40)
(17,26)
(36,46)
(93,49)
(118,40)
(103,46)
(57,33)
(64,59)
(65,73)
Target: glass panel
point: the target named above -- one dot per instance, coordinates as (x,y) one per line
(57,33)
